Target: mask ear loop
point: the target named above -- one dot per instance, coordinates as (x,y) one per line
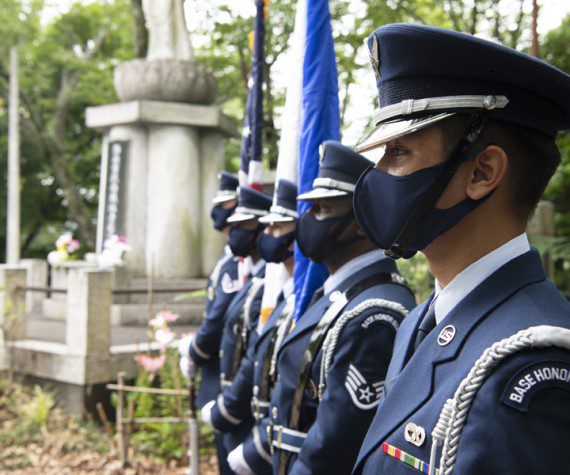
(462,151)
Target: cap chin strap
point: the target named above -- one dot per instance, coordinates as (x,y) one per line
(407,236)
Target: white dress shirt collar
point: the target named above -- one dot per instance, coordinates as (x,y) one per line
(257,266)
(351,268)
(468,279)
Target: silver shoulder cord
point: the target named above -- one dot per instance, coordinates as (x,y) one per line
(329,345)
(255,286)
(281,333)
(449,427)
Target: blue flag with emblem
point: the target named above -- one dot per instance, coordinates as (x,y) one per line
(320,122)
(250,173)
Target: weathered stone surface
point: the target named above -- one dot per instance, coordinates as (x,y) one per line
(12,307)
(169,80)
(37,276)
(174,202)
(89,301)
(156,112)
(212,163)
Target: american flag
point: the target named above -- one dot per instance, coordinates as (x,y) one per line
(250,173)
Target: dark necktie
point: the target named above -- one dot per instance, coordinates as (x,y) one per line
(427,324)
(316,296)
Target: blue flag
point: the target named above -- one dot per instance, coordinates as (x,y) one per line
(321,121)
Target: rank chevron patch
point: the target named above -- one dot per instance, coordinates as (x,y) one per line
(229,286)
(364,395)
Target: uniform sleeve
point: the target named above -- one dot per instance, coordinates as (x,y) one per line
(256,449)
(233,406)
(520,418)
(207,340)
(352,392)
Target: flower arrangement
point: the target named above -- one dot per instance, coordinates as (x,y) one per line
(160,332)
(115,249)
(65,249)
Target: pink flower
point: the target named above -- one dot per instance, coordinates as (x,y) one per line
(164,336)
(157,322)
(169,317)
(162,319)
(72,246)
(150,364)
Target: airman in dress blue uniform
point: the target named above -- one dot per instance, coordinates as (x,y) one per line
(242,315)
(251,388)
(203,349)
(464,143)
(332,365)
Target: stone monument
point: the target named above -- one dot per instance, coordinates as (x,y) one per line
(163,146)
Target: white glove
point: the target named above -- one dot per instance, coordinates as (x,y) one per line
(206,413)
(184,345)
(237,463)
(187,364)
(188,367)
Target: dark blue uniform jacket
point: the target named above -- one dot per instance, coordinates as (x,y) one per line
(205,348)
(235,429)
(500,436)
(336,425)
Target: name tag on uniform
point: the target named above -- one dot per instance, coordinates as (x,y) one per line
(529,381)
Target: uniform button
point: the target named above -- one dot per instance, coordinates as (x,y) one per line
(256,390)
(335,296)
(221,353)
(274,412)
(256,364)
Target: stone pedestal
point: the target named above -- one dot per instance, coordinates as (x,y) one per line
(12,307)
(37,276)
(174,155)
(88,329)
(56,305)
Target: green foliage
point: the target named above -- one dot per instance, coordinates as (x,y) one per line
(418,278)
(83,45)
(555,50)
(36,412)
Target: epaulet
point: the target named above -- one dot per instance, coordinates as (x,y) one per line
(386,311)
(452,418)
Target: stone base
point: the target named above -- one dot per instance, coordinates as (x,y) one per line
(54,309)
(53,361)
(76,399)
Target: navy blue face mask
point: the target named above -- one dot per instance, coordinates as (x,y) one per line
(383,203)
(243,241)
(275,249)
(317,239)
(220,216)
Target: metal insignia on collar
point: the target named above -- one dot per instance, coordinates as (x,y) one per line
(375,57)
(415,434)
(364,395)
(335,295)
(446,335)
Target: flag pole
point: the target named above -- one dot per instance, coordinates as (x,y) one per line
(13,224)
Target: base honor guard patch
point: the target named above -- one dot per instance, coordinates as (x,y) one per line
(364,395)
(529,381)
